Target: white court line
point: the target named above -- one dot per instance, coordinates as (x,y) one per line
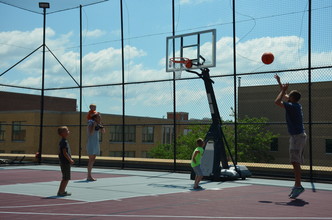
(165,216)
(34,206)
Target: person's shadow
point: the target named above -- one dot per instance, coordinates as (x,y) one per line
(294,202)
(83,181)
(53,197)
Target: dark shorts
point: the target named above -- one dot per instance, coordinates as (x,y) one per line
(65,170)
(198,170)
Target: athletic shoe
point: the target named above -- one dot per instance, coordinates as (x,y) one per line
(64,194)
(198,188)
(291,191)
(296,192)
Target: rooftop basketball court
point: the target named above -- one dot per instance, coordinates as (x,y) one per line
(29,192)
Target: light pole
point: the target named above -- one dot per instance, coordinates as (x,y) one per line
(44,6)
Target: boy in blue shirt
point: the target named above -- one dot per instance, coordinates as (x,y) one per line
(65,160)
(294,119)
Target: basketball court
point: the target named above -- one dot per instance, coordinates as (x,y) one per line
(29,192)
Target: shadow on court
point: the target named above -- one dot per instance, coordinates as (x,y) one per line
(295,202)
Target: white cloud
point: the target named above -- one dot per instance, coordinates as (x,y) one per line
(281,47)
(34,82)
(94,33)
(104,67)
(183,2)
(286,50)
(15,45)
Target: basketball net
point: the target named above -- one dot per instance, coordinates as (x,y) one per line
(177,69)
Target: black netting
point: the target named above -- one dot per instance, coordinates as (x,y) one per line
(125,76)
(55,5)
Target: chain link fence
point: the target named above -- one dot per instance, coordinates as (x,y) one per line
(152,119)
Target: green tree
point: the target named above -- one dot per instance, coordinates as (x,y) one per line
(254,140)
(185,144)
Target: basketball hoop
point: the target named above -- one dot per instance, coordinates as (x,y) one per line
(191,56)
(182,60)
(179,64)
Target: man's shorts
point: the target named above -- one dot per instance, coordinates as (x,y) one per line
(296,148)
(65,170)
(198,171)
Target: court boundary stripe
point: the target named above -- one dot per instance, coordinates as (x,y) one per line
(42,205)
(166,216)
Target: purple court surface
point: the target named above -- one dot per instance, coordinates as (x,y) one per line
(29,192)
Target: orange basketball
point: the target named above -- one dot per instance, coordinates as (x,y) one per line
(267,58)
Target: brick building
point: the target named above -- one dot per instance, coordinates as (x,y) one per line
(10,101)
(20,127)
(258,101)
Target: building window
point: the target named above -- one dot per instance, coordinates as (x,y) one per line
(328,146)
(168,134)
(186,131)
(2,131)
(119,154)
(145,154)
(129,133)
(18,133)
(274,144)
(147,134)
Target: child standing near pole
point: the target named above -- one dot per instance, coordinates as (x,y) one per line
(196,162)
(65,160)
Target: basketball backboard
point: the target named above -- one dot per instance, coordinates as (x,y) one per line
(197,47)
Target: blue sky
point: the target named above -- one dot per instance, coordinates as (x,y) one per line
(277,26)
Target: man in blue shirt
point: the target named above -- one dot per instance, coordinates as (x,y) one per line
(294,119)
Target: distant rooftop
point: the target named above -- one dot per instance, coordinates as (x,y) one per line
(18,101)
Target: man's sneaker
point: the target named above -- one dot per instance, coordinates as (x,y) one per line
(296,192)
(198,188)
(291,191)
